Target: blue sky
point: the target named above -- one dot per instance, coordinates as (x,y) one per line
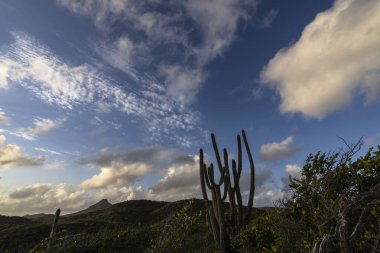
(113,99)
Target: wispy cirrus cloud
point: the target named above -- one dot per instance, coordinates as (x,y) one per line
(45,150)
(34,67)
(192,33)
(268,20)
(41,126)
(336,57)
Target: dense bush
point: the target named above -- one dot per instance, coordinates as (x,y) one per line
(333,207)
(183,231)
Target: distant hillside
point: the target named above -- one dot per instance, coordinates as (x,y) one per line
(39,217)
(13,220)
(103,204)
(123,227)
(43,217)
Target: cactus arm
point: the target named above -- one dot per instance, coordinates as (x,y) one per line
(238,194)
(226,185)
(227,179)
(202,175)
(206,177)
(210,216)
(216,150)
(219,162)
(252,182)
(240,155)
(210,171)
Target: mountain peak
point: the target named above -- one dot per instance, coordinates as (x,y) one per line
(98,206)
(102,204)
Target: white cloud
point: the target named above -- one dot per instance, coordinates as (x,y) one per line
(183,83)
(117,174)
(122,54)
(276,151)
(181,181)
(120,172)
(268,197)
(337,55)
(3,118)
(43,198)
(117,194)
(191,32)
(41,126)
(293,170)
(34,67)
(55,165)
(268,193)
(12,156)
(30,191)
(265,189)
(2,139)
(262,177)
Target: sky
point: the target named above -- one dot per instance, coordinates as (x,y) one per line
(114,98)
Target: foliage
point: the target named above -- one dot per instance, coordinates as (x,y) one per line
(272,231)
(180,231)
(109,240)
(333,207)
(137,219)
(332,194)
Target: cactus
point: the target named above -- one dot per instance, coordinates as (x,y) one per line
(53,230)
(222,226)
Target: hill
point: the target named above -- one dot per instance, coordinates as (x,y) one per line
(93,227)
(13,220)
(39,217)
(129,226)
(103,204)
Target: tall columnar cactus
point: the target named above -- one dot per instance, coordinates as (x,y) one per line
(53,230)
(222,225)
